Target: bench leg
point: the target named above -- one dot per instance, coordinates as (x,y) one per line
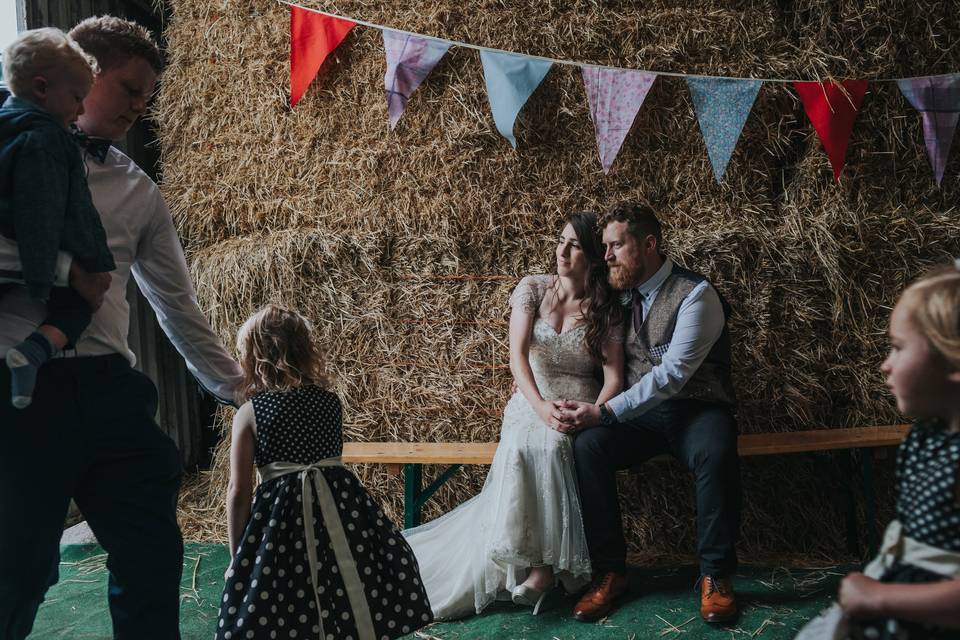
(412,477)
(413,497)
(848,480)
(869,499)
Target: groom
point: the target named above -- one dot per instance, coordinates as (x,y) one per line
(679,401)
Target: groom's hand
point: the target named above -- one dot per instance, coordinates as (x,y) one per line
(576,416)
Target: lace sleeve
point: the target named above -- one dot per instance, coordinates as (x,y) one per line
(527,296)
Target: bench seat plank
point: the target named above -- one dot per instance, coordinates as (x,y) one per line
(821,440)
(419,452)
(446,453)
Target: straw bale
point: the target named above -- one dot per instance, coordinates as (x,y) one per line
(403,246)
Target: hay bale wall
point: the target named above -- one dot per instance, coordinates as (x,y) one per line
(403,247)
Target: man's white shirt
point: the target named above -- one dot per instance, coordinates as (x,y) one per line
(144,243)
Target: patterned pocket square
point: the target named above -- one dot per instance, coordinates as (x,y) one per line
(659,350)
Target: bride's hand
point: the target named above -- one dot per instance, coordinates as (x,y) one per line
(549,412)
(574,416)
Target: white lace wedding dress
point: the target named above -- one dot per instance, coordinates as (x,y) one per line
(528,512)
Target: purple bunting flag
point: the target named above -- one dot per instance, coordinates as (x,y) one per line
(615,96)
(722,106)
(410,59)
(937,98)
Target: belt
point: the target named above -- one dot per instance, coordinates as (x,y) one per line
(89,364)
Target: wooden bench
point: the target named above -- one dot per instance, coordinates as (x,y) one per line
(411,456)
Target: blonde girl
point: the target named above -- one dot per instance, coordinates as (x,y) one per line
(314,555)
(911,590)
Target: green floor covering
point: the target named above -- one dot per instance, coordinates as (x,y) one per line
(661,604)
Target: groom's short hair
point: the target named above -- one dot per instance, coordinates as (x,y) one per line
(641,220)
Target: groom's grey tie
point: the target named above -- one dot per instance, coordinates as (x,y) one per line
(637,311)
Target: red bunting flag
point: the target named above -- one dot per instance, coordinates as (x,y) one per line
(833,109)
(313,36)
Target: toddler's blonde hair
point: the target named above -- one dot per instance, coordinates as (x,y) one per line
(39,52)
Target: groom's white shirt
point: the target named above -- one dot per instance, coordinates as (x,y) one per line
(144,243)
(700,322)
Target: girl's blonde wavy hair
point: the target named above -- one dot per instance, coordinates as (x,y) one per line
(277,352)
(934,305)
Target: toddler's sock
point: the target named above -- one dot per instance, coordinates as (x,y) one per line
(25,361)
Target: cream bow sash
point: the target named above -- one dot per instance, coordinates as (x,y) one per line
(897,546)
(832,624)
(314,484)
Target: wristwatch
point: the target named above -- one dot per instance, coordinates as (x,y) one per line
(607,417)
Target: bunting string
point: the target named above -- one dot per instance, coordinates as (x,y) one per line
(615,95)
(561,61)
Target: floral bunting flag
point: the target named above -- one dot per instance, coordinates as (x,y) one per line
(722,106)
(313,36)
(410,60)
(510,79)
(937,98)
(615,96)
(832,109)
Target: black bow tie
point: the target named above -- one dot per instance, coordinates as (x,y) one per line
(96,147)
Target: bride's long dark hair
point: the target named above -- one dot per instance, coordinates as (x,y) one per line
(600,306)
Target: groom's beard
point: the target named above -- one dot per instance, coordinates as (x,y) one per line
(624,276)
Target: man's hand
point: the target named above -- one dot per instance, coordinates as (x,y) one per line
(576,416)
(91,286)
(859,596)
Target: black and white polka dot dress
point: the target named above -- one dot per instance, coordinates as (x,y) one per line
(928,461)
(269,590)
(927,504)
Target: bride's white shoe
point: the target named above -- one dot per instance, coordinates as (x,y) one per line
(529,597)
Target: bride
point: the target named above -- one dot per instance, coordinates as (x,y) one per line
(523,532)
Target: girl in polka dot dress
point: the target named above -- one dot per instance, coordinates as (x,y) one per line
(911,590)
(315,557)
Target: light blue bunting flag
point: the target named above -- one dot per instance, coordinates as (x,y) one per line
(722,106)
(511,79)
(409,61)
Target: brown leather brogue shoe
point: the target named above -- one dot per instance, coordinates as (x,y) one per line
(718,604)
(599,599)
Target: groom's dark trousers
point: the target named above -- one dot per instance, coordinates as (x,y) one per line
(701,435)
(90,434)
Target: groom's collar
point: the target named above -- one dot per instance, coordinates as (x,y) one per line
(653,283)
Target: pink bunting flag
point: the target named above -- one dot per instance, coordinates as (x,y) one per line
(615,96)
(832,109)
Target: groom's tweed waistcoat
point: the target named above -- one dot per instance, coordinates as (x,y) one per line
(711,381)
